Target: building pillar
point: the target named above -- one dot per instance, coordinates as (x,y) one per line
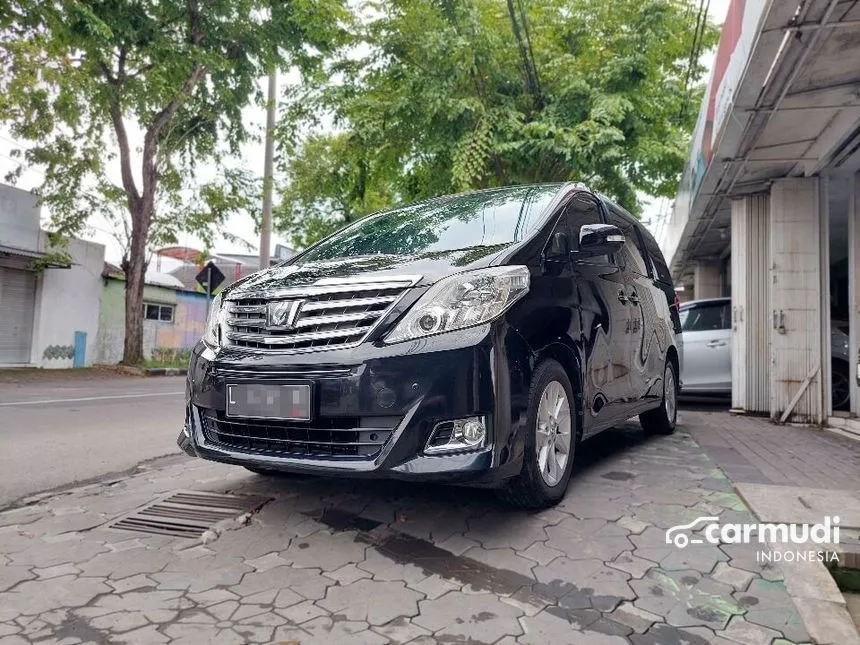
(707,280)
(798,291)
(750,307)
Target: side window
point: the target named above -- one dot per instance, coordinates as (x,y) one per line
(580,211)
(705,317)
(661,270)
(726,315)
(631,254)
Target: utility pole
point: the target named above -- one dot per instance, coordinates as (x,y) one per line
(268,172)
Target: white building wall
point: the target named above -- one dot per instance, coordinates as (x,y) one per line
(67,300)
(797,231)
(19,219)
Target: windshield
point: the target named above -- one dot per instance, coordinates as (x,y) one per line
(487,218)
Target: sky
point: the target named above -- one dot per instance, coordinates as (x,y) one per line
(242,226)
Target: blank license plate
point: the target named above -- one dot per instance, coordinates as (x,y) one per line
(269,401)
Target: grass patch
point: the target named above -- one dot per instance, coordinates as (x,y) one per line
(169,357)
(846,579)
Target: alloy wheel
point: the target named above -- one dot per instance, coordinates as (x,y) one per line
(670,394)
(553,433)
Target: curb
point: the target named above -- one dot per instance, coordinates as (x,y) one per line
(819,601)
(166,371)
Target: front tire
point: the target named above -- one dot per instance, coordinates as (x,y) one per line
(662,420)
(552,435)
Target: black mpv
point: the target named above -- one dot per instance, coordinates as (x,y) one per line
(473,338)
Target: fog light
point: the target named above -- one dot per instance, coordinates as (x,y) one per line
(472,431)
(457,435)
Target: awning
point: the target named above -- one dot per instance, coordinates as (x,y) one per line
(783,101)
(23,258)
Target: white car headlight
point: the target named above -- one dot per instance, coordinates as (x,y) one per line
(212,331)
(462,300)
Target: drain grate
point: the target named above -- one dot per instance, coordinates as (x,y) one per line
(188,514)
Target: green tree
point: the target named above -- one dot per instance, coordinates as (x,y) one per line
(334,181)
(80,78)
(454,95)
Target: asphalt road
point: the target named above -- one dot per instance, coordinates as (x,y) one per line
(63,429)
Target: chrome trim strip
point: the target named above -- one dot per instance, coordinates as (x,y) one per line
(317,289)
(295,338)
(285,374)
(447,448)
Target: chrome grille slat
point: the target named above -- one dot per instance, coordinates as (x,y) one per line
(247,309)
(337,319)
(342,304)
(332,314)
(247,322)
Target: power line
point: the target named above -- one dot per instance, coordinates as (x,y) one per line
(696,45)
(21,163)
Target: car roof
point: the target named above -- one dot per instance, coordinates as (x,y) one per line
(705,301)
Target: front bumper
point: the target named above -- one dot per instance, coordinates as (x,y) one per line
(407,388)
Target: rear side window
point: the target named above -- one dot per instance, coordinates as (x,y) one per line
(631,254)
(661,270)
(705,317)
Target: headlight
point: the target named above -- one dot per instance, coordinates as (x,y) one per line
(463,300)
(212,331)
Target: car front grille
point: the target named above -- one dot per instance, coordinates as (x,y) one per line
(326,315)
(331,437)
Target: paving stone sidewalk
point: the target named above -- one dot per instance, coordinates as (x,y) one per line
(341,562)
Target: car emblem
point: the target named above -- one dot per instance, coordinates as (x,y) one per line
(282,314)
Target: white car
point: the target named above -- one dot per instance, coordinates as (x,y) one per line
(706,327)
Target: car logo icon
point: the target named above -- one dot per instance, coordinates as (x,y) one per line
(675,535)
(281,315)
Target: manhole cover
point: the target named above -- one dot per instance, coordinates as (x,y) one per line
(188,513)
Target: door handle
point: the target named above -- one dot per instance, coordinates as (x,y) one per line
(717,343)
(633,298)
(622,298)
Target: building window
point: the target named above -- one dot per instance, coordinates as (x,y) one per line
(164,313)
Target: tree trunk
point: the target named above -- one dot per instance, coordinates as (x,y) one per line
(529,71)
(135,269)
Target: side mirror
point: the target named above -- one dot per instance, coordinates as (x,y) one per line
(600,239)
(558,249)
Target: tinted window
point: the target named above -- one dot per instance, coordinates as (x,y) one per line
(489,218)
(631,254)
(582,210)
(709,317)
(661,270)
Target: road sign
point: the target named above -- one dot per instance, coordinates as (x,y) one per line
(210,278)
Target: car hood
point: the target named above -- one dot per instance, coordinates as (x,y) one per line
(430,266)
